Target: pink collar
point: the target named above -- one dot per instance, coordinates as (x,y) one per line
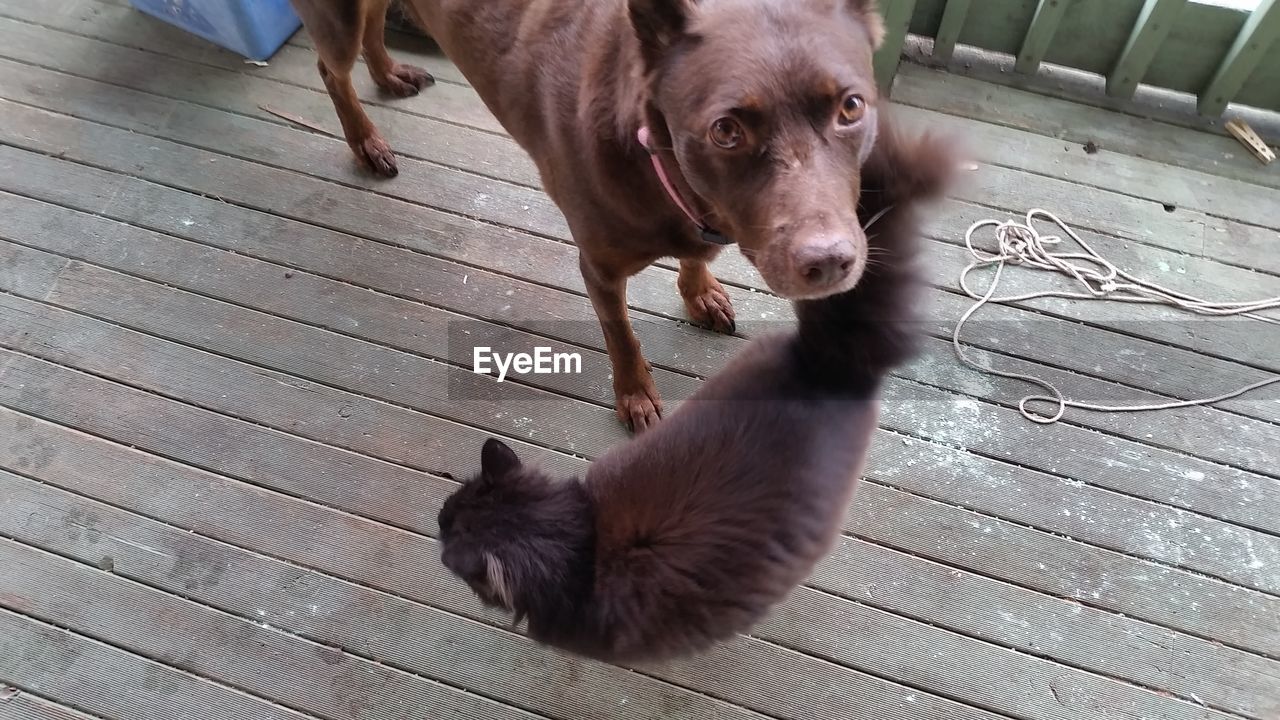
(708,233)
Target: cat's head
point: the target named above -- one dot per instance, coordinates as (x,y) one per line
(512,531)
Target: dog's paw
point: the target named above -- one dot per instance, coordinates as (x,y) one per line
(712,309)
(405,80)
(639,407)
(376,155)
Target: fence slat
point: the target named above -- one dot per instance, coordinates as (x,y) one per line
(897,18)
(1149,32)
(1259,31)
(1039,35)
(949,28)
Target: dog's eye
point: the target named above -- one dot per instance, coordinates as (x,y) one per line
(726,132)
(852,108)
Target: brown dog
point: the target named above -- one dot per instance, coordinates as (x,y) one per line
(691,532)
(760,114)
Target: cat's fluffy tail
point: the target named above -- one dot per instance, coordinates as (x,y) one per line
(859,336)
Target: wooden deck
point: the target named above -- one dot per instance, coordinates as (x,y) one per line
(229,410)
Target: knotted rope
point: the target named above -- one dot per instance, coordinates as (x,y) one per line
(1021,243)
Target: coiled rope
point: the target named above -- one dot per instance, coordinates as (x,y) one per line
(1021,243)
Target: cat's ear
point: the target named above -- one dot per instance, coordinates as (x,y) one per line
(496,576)
(497,460)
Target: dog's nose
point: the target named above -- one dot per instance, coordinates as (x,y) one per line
(824,265)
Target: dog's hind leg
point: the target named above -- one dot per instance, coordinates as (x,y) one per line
(393,77)
(635,395)
(337,28)
(704,296)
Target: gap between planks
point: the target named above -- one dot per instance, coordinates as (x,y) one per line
(288,514)
(322,328)
(1164,342)
(182,452)
(171,47)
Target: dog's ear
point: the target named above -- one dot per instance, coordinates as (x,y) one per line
(868,13)
(497,460)
(659,23)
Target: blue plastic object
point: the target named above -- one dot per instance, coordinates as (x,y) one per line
(253,28)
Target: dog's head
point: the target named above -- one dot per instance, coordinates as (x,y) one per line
(770,107)
(512,532)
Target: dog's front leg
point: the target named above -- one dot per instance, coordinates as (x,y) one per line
(704,297)
(394,78)
(336,28)
(635,395)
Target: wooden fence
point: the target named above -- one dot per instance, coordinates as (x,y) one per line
(1219,54)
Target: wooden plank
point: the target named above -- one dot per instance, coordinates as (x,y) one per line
(1149,33)
(1044,24)
(151,364)
(104,194)
(1181,188)
(114,684)
(1078,123)
(235,514)
(668,298)
(667,292)
(1029,689)
(1064,506)
(953,17)
(897,19)
(180,84)
(325,252)
(506,161)
(178,45)
(1251,44)
(1125,360)
(1089,575)
(1120,582)
(777,308)
(447,101)
(347,214)
(1242,498)
(454,145)
(406,634)
(1159,463)
(21,705)
(1183,538)
(1243,344)
(1155,218)
(406,47)
(374,371)
(257,657)
(1063,629)
(1197,543)
(938,369)
(263,659)
(405,438)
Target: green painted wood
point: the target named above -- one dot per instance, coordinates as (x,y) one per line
(944,43)
(1255,38)
(1092,34)
(897,18)
(1040,35)
(1149,33)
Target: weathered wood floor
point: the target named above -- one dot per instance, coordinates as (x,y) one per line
(228,408)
